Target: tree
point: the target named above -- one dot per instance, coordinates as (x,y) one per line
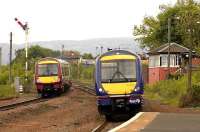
(87,56)
(184,15)
(34,52)
(18,64)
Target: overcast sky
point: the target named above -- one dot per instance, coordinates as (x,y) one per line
(74,19)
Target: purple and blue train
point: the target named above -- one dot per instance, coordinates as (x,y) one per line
(118,82)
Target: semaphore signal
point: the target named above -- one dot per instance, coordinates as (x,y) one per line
(23,26)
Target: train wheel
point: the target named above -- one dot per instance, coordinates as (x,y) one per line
(109,117)
(59,92)
(139,108)
(66,87)
(43,95)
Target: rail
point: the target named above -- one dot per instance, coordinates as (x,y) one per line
(100,127)
(23,103)
(105,125)
(84,87)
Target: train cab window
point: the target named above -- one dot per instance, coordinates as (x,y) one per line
(47,69)
(118,71)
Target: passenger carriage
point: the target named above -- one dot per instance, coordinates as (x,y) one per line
(52,76)
(118,82)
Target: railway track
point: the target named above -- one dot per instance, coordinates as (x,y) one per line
(105,125)
(39,99)
(85,88)
(91,90)
(100,127)
(23,103)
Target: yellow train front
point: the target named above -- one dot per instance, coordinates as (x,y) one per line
(52,76)
(118,82)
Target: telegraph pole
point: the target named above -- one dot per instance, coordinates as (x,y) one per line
(190,60)
(169,41)
(101,50)
(190,33)
(97,50)
(190,70)
(10,65)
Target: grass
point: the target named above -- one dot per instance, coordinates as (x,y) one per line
(167,92)
(7,92)
(175,92)
(88,82)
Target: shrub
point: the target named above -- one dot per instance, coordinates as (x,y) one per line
(167,91)
(6,91)
(175,92)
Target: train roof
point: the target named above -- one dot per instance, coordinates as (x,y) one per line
(52,60)
(118,52)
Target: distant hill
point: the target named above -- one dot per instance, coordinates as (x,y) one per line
(83,46)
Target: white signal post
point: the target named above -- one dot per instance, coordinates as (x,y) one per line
(25,28)
(26,50)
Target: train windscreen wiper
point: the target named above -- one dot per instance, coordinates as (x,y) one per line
(118,72)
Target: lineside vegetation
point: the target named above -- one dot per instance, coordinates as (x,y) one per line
(175,92)
(7,92)
(85,72)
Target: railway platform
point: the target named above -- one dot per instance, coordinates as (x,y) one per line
(161,122)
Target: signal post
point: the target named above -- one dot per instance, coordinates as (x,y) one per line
(26,29)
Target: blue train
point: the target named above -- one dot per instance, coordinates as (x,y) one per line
(118,82)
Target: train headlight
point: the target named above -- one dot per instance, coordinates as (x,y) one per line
(58,80)
(38,80)
(101,90)
(137,89)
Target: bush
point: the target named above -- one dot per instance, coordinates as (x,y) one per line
(6,91)
(167,91)
(192,97)
(175,92)
(87,72)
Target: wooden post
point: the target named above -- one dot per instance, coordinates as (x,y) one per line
(10,65)
(169,41)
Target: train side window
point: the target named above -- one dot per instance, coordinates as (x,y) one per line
(66,70)
(63,70)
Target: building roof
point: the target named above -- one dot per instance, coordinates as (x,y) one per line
(174,48)
(71,54)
